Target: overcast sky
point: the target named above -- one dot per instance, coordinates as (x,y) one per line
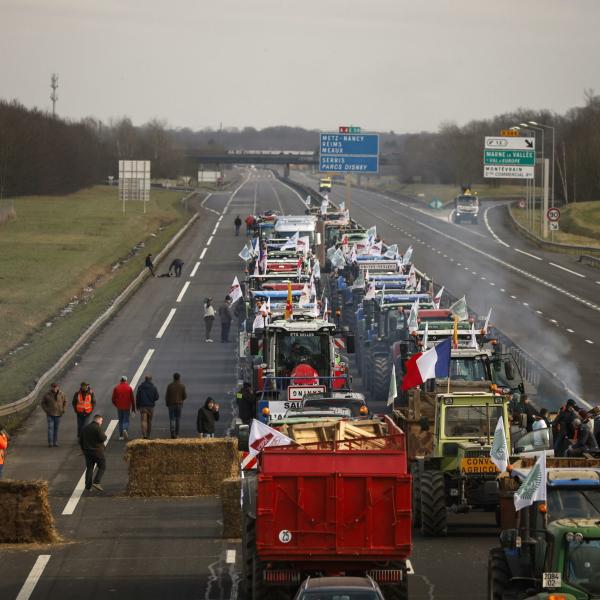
(402,65)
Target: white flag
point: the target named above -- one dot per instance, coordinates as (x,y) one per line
(342,206)
(474,343)
(305,296)
(407,256)
(317,270)
(375,249)
(487,321)
(259,322)
(324,206)
(370,293)
(411,282)
(303,243)
(393,391)
(392,251)
(372,232)
(499,449)
(413,324)
(533,489)
(291,243)
(235,291)
(245,254)
(459,309)
(438,297)
(262,436)
(426,336)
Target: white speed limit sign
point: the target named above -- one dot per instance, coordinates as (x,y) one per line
(553,215)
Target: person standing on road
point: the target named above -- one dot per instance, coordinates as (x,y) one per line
(562,426)
(226,316)
(122,398)
(54,404)
(92,444)
(238,224)
(4,439)
(207,416)
(209,318)
(529,410)
(249,224)
(150,265)
(246,401)
(83,404)
(175,397)
(176,267)
(145,399)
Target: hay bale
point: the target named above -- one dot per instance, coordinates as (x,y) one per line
(232,510)
(180,467)
(26,515)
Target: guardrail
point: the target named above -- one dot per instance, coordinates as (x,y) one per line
(28,400)
(592,261)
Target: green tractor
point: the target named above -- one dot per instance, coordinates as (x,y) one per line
(451,466)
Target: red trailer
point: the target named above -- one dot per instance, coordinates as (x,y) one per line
(330,508)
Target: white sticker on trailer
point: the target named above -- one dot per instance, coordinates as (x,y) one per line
(300,391)
(551,580)
(285,536)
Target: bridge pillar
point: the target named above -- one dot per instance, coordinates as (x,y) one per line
(286,170)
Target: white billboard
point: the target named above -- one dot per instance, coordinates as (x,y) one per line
(134,180)
(508,171)
(209,176)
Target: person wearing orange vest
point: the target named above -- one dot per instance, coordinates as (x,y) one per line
(83,405)
(3,446)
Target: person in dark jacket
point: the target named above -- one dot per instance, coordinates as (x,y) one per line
(246,400)
(562,426)
(207,416)
(176,267)
(92,441)
(581,440)
(150,265)
(226,316)
(238,224)
(529,410)
(54,405)
(145,399)
(175,397)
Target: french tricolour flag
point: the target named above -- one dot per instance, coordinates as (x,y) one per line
(427,365)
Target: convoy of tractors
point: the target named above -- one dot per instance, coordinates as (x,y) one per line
(334,480)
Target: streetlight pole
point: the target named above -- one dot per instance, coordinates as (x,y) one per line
(518,129)
(530,132)
(553,161)
(544,177)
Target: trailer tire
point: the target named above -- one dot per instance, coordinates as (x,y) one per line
(398,591)
(416,495)
(434,518)
(381,378)
(498,574)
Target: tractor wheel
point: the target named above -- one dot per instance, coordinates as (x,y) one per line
(397,591)
(433,504)
(416,495)
(381,378)
(498,574)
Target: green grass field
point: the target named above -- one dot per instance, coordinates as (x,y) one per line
(56,247)
(579,224)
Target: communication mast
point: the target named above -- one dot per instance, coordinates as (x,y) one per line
(53,96)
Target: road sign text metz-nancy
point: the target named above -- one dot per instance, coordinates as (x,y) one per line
(344,152)
(509,157)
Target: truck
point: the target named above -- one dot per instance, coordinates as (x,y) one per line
(336,501)
(552,549)
(466,206)
(448,447)
(325,184)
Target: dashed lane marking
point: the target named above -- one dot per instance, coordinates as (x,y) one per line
(514,297)
(527,254)
(33,577)
(195,269)
(78,491)
(203,253)
(186,285)
(567,270)
(570,330)
(589,341)
(142,368)
(210,239)
(164,326)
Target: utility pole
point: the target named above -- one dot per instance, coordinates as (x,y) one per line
(53,96)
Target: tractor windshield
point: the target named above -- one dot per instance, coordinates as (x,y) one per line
(333,594)
(471,421)
(574,503)
(466,201)
(582,563)
(308,349)
(472,368)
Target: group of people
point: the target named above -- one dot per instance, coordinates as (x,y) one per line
(574,431)
(175,268)
(226,316)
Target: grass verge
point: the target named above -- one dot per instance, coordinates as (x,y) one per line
(57,247)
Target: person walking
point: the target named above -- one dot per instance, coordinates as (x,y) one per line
(176,267)
(145,400)
(175,397)
(4,439)
(207,417)
(246,401)
(92,444)
(122,398)
(150,265)
(209,318)
(226,316)
(238,224)
(83,404)
(54,404)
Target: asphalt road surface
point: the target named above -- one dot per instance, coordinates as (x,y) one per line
(547,303)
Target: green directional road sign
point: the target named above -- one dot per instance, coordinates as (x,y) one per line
(524,158)
(436,203)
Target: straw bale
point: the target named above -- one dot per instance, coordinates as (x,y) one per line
(26,515)
(232,510)
(180,467)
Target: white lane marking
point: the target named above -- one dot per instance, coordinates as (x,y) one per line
(203,253)
(554,321)
(186,285)
(492,283)
(166,323)
(487,224)
(570,330)
(539,312)
(527,254)
(220,219)
(210,239)
(502,290)
(567,270)
(525,303)
(409,568)
(514,297)
(230,557)
(206,207)
(598,282)
(589,341)
(142,367)
(33,577)
(193,273)
(215,229)
(78,491)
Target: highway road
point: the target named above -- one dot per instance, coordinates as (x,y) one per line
(547,303)
(121,547)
